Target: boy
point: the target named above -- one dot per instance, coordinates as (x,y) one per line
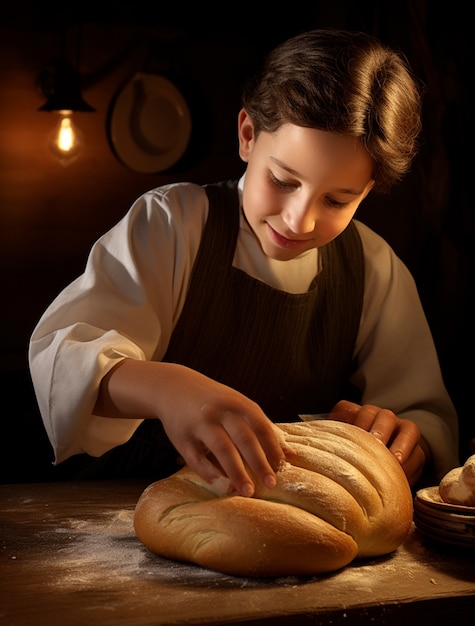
(209,312)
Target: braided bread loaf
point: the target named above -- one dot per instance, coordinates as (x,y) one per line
(341,495)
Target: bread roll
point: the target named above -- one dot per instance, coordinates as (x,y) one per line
(339,496)
(458,485)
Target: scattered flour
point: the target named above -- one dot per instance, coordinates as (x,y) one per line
(108,547)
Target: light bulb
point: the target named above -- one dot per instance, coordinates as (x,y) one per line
(66,140)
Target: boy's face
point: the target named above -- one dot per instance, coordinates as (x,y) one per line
(302,186)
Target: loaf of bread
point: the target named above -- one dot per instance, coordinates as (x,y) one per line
(341,495)
(458,485)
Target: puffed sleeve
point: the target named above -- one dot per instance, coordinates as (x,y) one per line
(398,366)
(125,304)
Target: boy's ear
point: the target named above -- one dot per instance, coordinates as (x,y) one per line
(245,135)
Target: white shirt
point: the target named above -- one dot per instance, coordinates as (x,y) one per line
(131,294)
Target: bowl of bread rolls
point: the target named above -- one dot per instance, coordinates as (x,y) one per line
(340,496)
(446,512)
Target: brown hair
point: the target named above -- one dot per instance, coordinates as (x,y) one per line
(343,82)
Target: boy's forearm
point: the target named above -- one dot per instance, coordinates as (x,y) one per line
(133,388)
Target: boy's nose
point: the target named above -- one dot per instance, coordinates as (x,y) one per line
(300,219)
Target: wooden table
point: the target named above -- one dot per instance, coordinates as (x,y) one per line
(69,556)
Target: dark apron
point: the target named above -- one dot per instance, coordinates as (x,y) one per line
(290,353)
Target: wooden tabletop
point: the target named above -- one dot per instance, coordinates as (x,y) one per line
(69,556)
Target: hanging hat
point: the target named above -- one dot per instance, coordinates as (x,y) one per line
(149,124)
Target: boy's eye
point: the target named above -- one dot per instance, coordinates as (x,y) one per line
(335,203)
(291,186)
(280,183)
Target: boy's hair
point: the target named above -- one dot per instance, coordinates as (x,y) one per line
(343,82)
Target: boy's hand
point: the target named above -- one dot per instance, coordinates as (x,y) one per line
(401,436)
(218,431)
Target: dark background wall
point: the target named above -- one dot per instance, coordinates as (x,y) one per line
(51,214)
